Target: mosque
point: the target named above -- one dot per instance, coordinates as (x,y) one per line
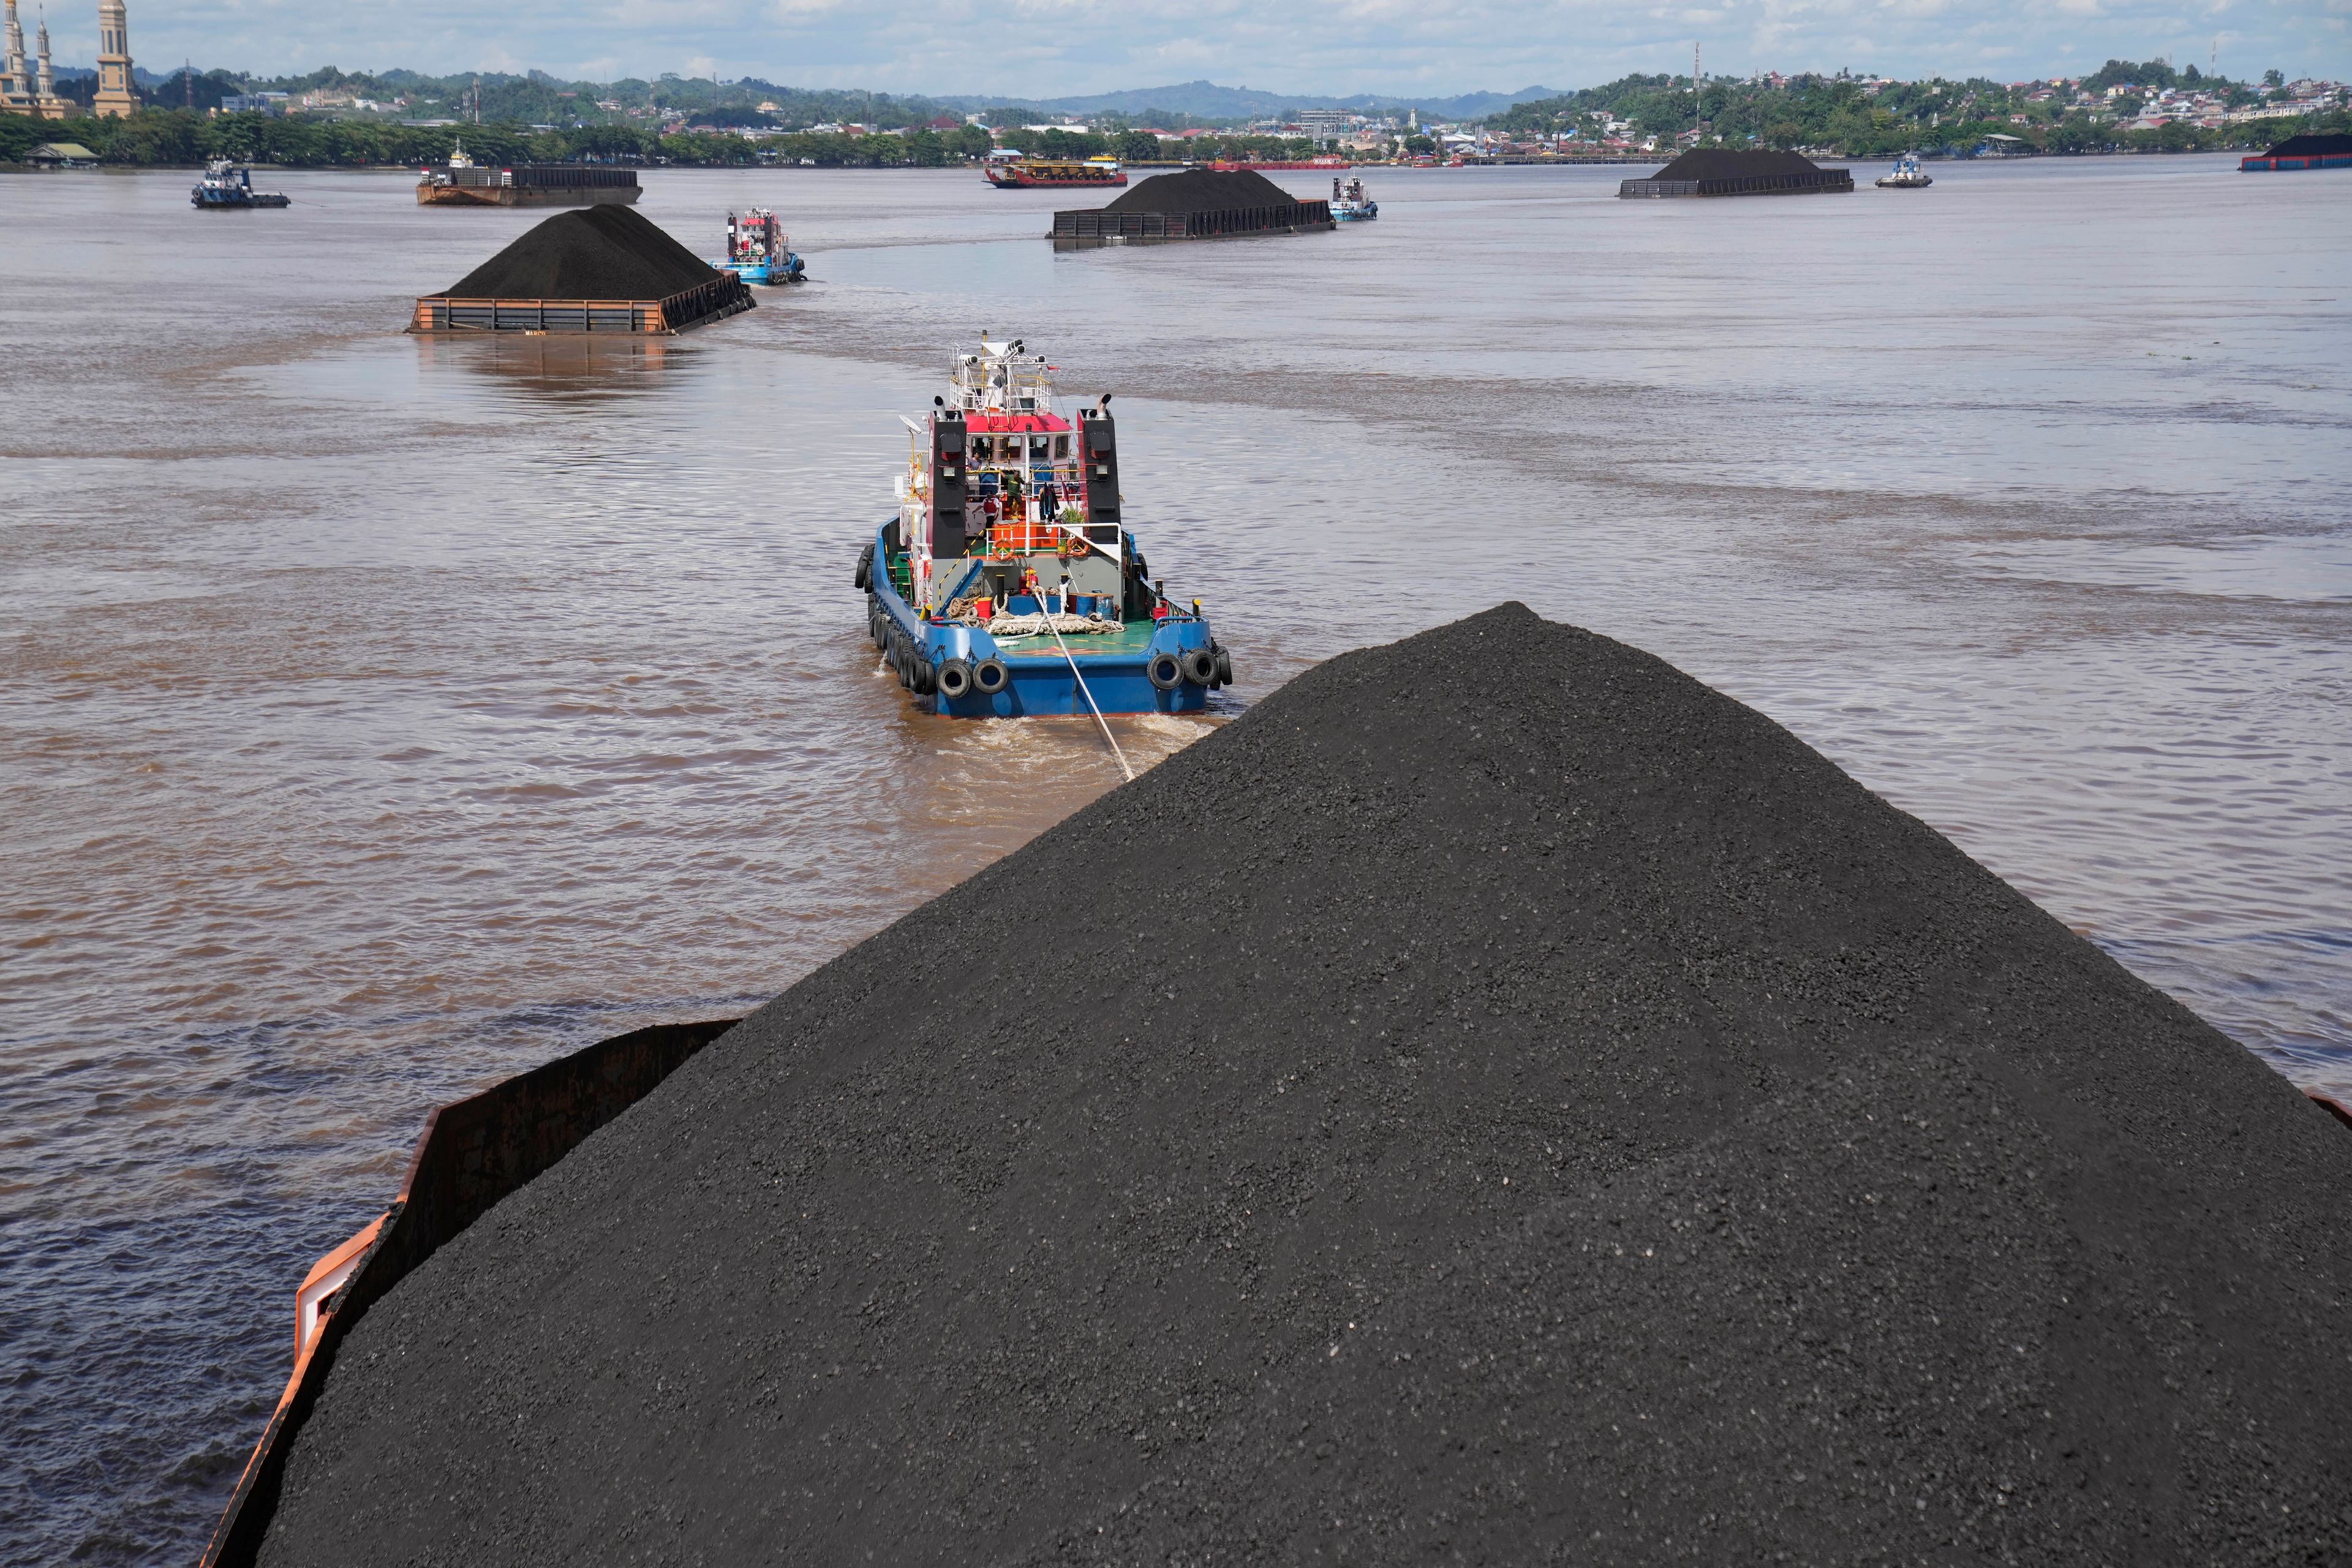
(36,93)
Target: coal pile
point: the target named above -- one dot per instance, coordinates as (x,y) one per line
(2326,145)
(1726,164)
(1723,172)
(1498,1100)
(1202,190)
(603,252)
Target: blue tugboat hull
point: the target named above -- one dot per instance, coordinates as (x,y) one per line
(1041,683)
(785,269)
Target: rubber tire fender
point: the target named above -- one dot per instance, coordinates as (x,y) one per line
(955,679)
(927,677)
(989,676)
(864,566)
(1199,666)
(1164,670)
(1224,663)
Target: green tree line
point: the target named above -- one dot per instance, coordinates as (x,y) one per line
(180,137)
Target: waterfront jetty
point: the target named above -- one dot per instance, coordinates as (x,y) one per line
(600,269)
(1193,204)
(1723,172)
(1493,1077)
(2316,152)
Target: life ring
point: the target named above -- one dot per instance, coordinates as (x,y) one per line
(1165,672)
(989,676)
(1199,666)
(955,679)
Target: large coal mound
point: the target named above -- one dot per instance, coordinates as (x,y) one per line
(1498,1100)
(1730,164)
(2328,145)
(603,252)
(1202,190)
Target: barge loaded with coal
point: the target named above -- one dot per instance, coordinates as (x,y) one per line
(1195,203)
(1723,172)
(1008,584)
(463,182)
(2321,151)
(604,270)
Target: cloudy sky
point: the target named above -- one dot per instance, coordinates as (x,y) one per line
(1052,48)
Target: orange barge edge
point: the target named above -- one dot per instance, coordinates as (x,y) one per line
(471,1153)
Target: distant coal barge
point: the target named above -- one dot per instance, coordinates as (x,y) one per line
(1722,172)
(1195,203)
(2332,151)
(463,182)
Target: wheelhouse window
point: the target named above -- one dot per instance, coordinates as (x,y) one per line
(1061,447)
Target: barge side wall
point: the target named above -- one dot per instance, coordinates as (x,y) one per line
(471,1154)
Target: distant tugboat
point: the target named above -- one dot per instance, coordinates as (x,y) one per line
(1007,585)
(228,184)
(1906,176)
(1348,203)
(758,250)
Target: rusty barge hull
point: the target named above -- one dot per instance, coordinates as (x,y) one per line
(442,315)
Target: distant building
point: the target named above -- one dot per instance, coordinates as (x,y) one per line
(253,103)
(23,94)
(1324,123)
(62,155)
(115,98)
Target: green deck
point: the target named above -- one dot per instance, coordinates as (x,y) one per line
(1132,640)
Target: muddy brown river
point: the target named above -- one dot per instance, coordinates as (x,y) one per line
(380,717)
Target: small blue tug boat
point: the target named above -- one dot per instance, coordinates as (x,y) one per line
(230,185)
(1348,203)
(1008,585)
(757,250)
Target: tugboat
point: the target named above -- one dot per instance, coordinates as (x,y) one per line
(1348,203)
(757,250)
(227,184)
(1008,585)
(1906,176)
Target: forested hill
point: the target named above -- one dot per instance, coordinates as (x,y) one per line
(1864,118)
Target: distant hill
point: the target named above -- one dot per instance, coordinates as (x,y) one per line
(1208,100)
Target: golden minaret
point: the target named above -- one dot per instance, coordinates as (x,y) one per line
(46,102)
(15,92)
(114,95)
